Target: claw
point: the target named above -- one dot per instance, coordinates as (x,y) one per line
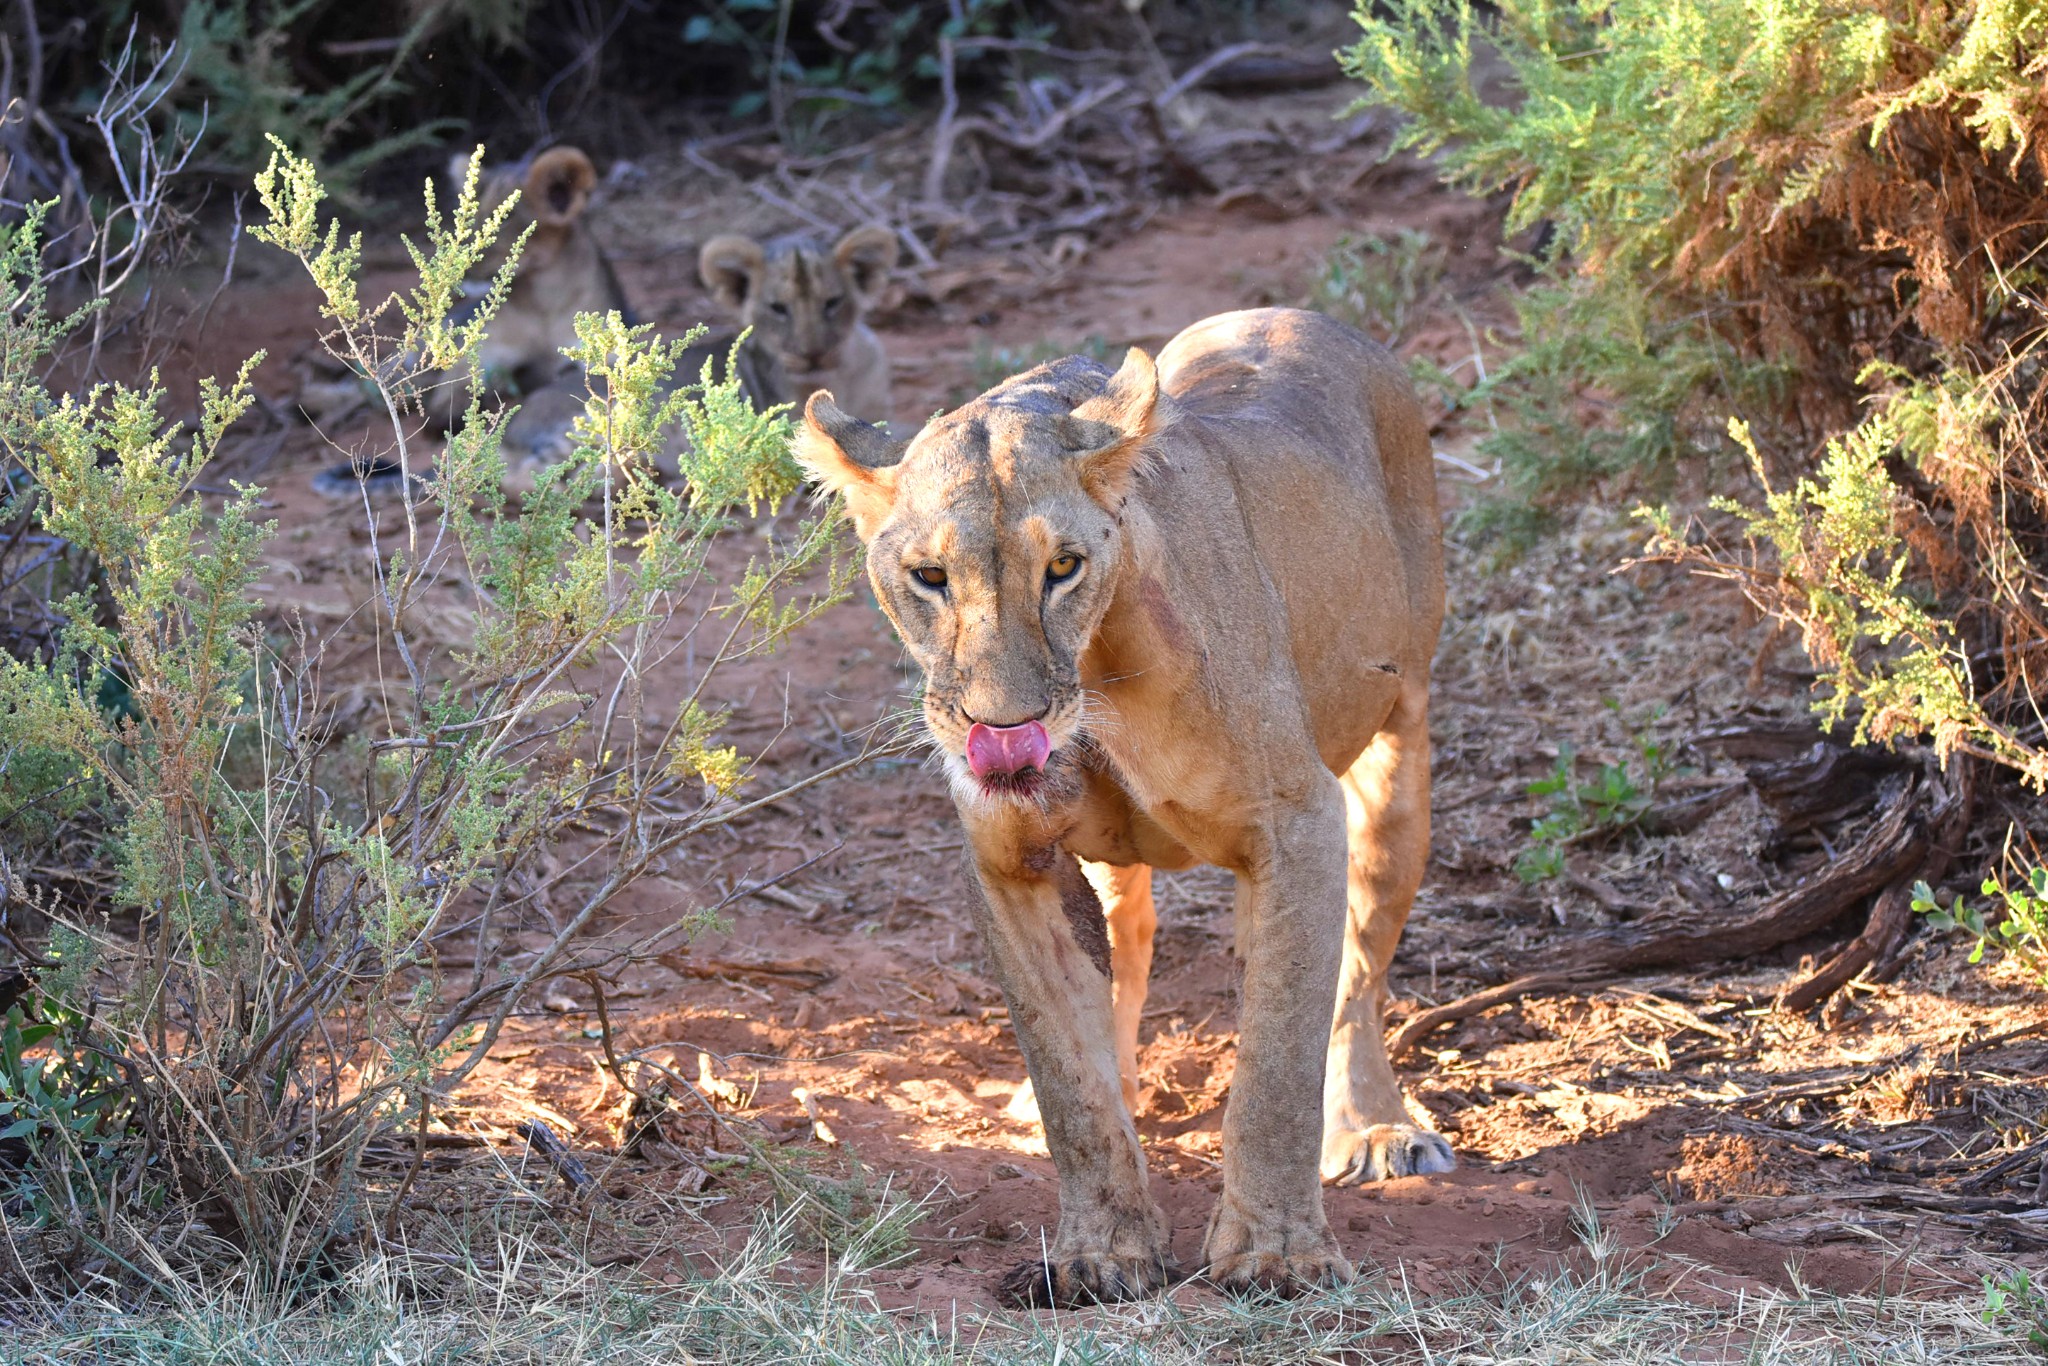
(1064,1281)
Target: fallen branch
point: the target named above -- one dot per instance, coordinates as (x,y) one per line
(549,1145)
(1891,849)
(1892,915)
(805,972)
(1421,1026)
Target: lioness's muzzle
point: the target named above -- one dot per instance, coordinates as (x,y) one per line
(994,751)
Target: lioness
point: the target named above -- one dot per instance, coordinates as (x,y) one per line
(1180,614)
(807,308)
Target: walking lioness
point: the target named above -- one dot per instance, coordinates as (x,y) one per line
(1169,616)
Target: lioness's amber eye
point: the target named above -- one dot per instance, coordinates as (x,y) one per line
(1062,567)
(930,575)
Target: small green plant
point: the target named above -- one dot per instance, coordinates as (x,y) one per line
(1615,800)
(2014,1300)
(1381,285)
(2016,926)
(64,1112)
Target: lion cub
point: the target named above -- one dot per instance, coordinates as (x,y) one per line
(562,272)
(807,309)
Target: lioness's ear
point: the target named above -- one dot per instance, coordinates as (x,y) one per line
(1105,435)
(728,266)
(852,459)
(867,255)
(458,170)
(558,186)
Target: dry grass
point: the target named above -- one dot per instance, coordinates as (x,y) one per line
(519,1297)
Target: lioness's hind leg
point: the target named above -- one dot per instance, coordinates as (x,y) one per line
(1367,1132)
(1126,895)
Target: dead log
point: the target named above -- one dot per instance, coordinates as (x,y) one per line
(1825,786)
(1419,1027)
(1892,915)
(1892,848)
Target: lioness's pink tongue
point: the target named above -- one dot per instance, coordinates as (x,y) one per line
(1006,749)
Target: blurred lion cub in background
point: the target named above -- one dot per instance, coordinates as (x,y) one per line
(809,307)
(806,309)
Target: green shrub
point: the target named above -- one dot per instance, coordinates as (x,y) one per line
(2016,927)
(1818,220)
(267,978)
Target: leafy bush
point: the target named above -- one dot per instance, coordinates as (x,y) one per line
(293,947)
(1817,219)
(2014,1300)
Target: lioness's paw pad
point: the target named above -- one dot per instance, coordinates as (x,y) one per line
(1089,1279)
(1384,1152)
(1288,1274)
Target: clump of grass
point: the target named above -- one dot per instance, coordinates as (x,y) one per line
(1381,285)
(515,1292)
(1615,800)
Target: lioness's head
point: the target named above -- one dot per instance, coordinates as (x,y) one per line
(802,303)
(554,189)
(994,539)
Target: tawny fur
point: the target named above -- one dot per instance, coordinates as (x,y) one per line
(808,309)
(1238,675)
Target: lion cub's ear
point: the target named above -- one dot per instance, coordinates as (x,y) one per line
(867,255)
(729,266)
(558,186)
(1105,435)
(852,459)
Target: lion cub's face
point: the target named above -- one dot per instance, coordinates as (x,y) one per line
(994,544)
(803,303)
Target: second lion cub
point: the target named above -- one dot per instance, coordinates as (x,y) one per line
(808,307)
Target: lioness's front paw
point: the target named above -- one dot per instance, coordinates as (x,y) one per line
(1083,1278)
(1288,1255)
(1356,1156)
(1290,1274)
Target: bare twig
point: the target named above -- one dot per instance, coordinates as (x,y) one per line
(1426,1022)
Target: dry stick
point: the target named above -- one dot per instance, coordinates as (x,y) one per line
(1222,57)
(1422,1025)
(1889,919)
(419,1160)
(1892,847)
(549,1144)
